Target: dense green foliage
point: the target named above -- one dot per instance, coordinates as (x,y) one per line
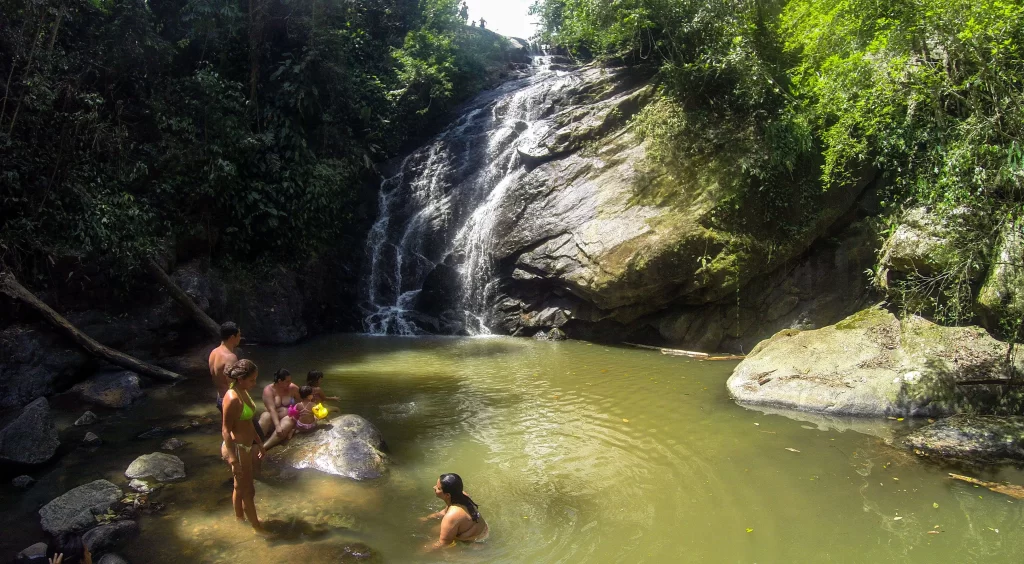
(808,94)
(248,126)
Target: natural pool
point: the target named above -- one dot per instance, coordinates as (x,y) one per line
(576,452)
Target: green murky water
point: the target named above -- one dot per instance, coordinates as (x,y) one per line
(576,453)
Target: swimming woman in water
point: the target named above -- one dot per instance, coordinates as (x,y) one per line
(241,447)
(460,519)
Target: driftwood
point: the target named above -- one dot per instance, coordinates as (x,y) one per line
(1005,489)
(179,295)
(690,354)
(9,285)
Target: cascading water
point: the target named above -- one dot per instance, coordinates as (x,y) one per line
(430,258)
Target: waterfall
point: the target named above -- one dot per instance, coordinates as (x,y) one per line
(430,250)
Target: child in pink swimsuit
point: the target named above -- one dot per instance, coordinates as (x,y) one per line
(302,412)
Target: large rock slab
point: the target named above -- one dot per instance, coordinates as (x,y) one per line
(35,363)
(111,389)
(32,437)
(159,466)
(271,309)
(971,437)
(872,364)
(349,446)
(1002,294)
(77,509)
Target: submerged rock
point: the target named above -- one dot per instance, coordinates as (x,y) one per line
(91,440)
(541,336)
(349,446)
(31,438)
(23,482)
(77,509)
(34,553)
(87,418)
(112,558)
(110,536)
(873,364)
(971,437)
(111,389)
(557,334)
(160,466)
(172,444)
(143,486)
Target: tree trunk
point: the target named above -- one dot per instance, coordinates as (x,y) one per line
(179,295)
(10,286)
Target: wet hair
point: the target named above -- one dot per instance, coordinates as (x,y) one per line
(313,377)
(305,392)
(70,545)
(281,375)
(451,484)
(228,329)
(240,370)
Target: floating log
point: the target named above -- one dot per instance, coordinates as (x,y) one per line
(9,285)
(179,295)
(1011,490)
(690,354)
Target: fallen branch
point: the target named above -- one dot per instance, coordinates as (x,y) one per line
(691,354)
(1005,489)
(10,286)
(179,295)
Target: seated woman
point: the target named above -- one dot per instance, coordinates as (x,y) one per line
(241,447)
(460,519)
(277,398)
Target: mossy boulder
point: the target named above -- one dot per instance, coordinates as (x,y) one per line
(1002,294)
(873,364)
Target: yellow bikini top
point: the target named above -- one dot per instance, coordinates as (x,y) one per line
(247,410)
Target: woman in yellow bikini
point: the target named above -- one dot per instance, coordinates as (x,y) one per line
(241,447)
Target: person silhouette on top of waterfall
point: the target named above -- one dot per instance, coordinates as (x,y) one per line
(483,23)
(460,519)
(464,12)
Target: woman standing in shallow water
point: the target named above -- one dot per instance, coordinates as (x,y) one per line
(460,519)
(241,447)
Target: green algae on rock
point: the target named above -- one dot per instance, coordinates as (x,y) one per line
(873,364)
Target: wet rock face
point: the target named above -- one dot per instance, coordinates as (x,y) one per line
(872,364)
(108,537)
(1002,294)
(77,509)
(159,466)
(269,310)
(971,437)
(34,363)
(31,438)
(111,389)
(348,446)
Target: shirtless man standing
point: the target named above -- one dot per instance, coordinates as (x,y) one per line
(222,356)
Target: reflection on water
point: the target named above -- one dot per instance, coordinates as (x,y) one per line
(576,453)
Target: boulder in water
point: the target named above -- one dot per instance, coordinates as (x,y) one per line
(34,553)
(112,558)
(108,537)
(23,482)
(35,363)
(160,466)
(971,437)
(31,438)
(87,418)
(91,440)
(111,389)
(172,444)
(349,446)
(77,509)
(873,364)
(557,334)
(540,336)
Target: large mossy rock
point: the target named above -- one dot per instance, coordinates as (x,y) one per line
(116,389)
(873,364)
(77,509)
(971,437)
(348,446)
(1002,294)
(31,438)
